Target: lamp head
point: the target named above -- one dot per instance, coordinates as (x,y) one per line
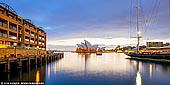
(14,44)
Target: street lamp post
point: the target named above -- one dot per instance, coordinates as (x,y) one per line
(15,45)
(37,49)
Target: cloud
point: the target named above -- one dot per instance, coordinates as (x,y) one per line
(72,19)
(99,41)
(61,47)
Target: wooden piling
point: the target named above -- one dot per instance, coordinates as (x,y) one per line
(7,65)
(51,57)
(29,61)
(41,59)
(20,63)
(36,59)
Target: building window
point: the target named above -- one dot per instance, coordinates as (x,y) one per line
(12,35)
(1,23)
(19,21)
(1,12)
(27,39)
(12,26)
(10,16)
(1,33)
(19,29)
(27,31)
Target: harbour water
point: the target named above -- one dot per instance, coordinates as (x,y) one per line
(92,69)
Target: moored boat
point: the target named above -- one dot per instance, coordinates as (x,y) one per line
(152,55)
(138,54)
(98,53)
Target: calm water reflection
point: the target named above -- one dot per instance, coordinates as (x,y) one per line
(108,69)
(89,69)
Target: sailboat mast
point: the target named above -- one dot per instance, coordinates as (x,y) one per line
(169,8)
(137,25)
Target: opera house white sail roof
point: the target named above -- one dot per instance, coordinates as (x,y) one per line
(88,45)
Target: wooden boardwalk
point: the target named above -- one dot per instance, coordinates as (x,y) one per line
(29,60)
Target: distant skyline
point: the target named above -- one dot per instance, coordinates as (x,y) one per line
(105,22)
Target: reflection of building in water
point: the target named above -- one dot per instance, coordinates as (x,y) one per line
(165,68)
(55,67)
(154,44)
(86,62)
(150,70)
(138,78)
(85,58)
(48,70)
(138,75)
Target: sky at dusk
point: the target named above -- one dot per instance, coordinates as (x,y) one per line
(104,22)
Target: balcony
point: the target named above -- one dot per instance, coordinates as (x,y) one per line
(32,41)
(5,35)
(39,42)
(12,27)
(32,35)
(27,33)
(12,37)
(27,40)
(10,16)
(43,39)
(3,24)
(19,21)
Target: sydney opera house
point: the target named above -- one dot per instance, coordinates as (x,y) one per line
(87,47)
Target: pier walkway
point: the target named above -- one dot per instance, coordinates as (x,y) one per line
(29,60)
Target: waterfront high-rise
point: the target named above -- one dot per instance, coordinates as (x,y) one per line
(23,32)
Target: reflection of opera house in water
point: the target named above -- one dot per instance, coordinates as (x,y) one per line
(87,47)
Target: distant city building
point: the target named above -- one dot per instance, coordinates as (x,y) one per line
(154,44)
(157,47)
